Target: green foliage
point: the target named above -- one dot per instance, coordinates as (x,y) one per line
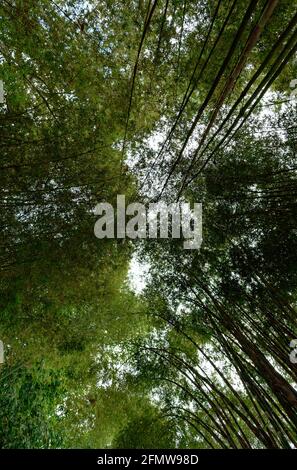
(28,401)
(149,430)
(88,362)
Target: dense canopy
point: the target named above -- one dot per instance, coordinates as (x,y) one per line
(157,100)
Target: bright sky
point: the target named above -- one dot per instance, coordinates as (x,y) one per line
(138,274)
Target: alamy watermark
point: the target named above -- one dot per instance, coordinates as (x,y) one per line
(293,353)
(2,96)
(157,220)
(1,352)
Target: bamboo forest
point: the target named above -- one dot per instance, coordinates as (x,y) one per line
(116,331)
